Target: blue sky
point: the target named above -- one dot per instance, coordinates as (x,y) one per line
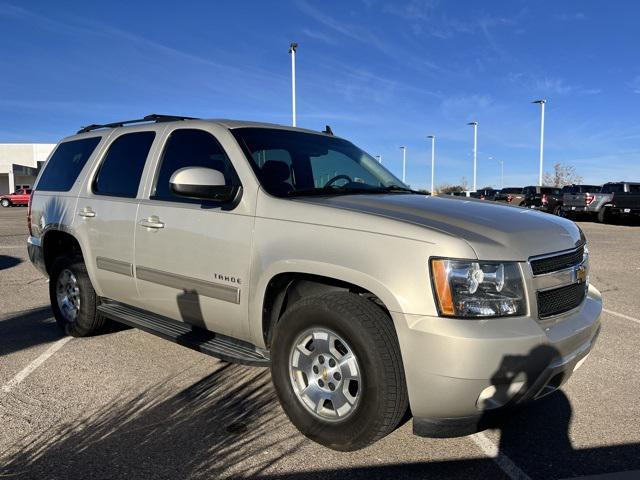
(382,74)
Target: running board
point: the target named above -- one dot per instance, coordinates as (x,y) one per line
(204,341)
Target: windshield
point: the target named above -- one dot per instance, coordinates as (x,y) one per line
(290,163)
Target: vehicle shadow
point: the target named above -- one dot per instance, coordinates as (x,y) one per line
(27,329)
(7,261)
(224,422)
(228,425)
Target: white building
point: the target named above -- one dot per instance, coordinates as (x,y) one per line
(20,163)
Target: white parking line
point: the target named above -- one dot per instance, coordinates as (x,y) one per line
(29,369)
(621,315)
(505,463)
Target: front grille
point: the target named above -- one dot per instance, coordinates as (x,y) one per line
(559,262)
(559,300)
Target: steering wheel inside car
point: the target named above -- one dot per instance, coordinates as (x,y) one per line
(338,177)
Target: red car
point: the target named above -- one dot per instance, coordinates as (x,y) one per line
(19,197)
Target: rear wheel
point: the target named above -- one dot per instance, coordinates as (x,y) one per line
(5,203)
(73,299)
(337,369)
(558,211)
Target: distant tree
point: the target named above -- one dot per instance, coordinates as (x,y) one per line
(561,175)
(425,191)
(464,184)
(445,188)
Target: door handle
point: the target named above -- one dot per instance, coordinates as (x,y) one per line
(151,222)
(86,212)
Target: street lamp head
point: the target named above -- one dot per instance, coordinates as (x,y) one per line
(431,136)
(402,148)
(472,123)
(292,47)
(542,100)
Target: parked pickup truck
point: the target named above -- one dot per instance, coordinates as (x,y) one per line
(627,203)
(600,204)
(581,199)
(485,194)
(511,195)
(295,250)
(17,198)
(545,199)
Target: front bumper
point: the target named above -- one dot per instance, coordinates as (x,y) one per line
(36,255)
(459,371)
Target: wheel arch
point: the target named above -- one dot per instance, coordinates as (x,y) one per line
(56,242)
(286,287)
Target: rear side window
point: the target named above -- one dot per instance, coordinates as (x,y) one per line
(65,164)
(613,188)
(191,148)
(120,172)
(634,188)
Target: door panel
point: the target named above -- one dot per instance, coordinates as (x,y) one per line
(195,268)
(109,229)
(193,256)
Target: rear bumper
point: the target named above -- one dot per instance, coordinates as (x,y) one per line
(459,371)
(36,255)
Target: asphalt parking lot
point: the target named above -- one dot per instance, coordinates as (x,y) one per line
(126,404)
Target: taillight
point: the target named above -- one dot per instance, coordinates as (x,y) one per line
(509,198)
(29,215)
(544,199)
(590,198)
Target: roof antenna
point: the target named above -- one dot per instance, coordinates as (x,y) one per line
(327,130)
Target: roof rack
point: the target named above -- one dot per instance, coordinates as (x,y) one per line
(154,117)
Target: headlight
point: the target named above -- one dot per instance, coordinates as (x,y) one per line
(471,288)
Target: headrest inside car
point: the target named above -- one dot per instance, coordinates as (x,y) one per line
(276,171)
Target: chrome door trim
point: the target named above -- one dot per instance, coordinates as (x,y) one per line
(214,290)
(114,266)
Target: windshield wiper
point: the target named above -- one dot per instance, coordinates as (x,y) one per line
(347,190)
(398,188)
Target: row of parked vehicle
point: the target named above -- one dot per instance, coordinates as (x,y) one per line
(605,203)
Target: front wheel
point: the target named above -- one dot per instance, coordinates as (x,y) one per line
(73,299)
(558,211)
(337,370)
(5,203)
(604,215)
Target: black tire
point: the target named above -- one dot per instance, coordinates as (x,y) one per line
(5,203)
(87,321)
(558,211)
(371,335)
(603,215)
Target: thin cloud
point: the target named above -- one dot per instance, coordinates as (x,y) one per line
(355,32)
(569,17)
(550,85)
(635,85)
(316,35)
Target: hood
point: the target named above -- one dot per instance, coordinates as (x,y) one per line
(494,231)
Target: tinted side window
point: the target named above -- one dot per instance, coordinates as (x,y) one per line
(65,164)
(191,148)
(120,172)
(613,188)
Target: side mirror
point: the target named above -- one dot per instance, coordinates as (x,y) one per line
(202,183)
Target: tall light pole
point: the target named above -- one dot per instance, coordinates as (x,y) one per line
(404,163)
(433,162)
(379,158)
(292,51)
(475,152)
(541,102)
(501,162)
